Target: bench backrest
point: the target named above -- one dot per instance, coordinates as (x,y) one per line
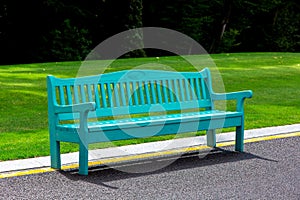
(133,92)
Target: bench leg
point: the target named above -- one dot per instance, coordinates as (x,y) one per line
(239,138)
(55,154)
(211,138)
(83,159)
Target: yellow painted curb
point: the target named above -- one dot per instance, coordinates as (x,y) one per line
(26,172)
(143,156)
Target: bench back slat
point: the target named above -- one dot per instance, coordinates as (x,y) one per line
(69,95)
(76,95)
(133,92)
(61,95)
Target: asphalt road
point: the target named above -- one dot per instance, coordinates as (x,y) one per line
(267,170)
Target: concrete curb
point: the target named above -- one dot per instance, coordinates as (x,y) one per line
(41,162)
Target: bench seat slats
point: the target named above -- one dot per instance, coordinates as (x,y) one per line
(111,130)
(170,118)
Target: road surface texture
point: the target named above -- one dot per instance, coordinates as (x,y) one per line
(267,170)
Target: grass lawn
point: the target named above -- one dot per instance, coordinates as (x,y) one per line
(273,77)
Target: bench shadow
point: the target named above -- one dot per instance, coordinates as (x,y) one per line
(104,174)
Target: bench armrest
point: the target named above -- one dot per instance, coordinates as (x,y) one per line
(81,107)
(238,96)
(232,95)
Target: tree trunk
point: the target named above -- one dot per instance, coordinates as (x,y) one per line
(226,16)
(135,20)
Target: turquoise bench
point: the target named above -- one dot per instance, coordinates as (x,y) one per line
(136,104)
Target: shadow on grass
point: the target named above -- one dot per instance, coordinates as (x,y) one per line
(101,174)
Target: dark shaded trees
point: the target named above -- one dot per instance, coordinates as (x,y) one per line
(231,25)
(58,30)
(267,25)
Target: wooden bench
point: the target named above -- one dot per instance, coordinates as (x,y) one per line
(140,103)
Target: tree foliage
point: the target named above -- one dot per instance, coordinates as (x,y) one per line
(57,30)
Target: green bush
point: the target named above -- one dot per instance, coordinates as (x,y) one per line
(68,42)
(285,33)
(229,40)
